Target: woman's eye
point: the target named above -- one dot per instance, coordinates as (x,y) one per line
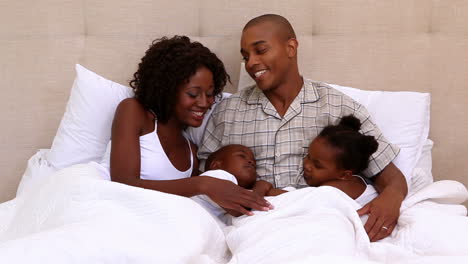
(193,95)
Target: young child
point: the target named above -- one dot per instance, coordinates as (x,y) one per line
(337,155)
(235,163)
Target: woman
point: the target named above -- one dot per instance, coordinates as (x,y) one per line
(175,85)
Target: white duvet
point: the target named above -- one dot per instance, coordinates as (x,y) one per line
(321,224)
(74,216)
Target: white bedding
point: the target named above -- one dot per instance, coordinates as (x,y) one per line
(75,216)
(321,224)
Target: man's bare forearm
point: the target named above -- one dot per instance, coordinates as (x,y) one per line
(392,180)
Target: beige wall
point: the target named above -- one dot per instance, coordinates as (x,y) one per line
(416,45)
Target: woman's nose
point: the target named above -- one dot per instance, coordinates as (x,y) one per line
(203,101)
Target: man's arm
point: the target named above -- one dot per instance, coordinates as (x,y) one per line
(384,210)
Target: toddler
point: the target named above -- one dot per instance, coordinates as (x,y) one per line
(336,157)
(235,163)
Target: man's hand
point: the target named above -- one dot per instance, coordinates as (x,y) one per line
(383,213)
(384,210)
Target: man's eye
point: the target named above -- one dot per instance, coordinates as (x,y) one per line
(261,51)
(245,58)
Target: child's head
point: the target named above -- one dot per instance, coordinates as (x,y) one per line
(236,159)
(338,152)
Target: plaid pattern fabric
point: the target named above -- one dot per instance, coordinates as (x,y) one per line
(280,144)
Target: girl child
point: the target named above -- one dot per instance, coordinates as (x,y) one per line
(336,157)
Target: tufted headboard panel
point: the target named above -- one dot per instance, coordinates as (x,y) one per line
(394,45)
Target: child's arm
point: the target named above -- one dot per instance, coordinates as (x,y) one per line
(264,188)
(275,192)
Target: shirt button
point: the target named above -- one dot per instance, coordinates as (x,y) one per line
(277,155)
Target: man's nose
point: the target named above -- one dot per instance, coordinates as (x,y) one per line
(253,60)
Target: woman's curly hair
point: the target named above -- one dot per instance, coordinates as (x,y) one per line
(168,63)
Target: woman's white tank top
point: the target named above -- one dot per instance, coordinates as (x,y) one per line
(154,164)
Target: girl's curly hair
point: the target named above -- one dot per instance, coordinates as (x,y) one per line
(354,148)
(168,63)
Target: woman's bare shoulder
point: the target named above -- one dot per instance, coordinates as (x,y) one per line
(130,113)
(130,104)
(130,107)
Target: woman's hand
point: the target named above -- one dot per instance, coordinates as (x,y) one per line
(230,196)
(383,213)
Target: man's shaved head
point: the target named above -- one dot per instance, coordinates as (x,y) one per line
(283,25)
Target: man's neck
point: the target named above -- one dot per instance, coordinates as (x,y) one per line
(282,97)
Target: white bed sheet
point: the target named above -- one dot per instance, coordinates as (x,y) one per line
(321,224)
(75,216)
(59,220)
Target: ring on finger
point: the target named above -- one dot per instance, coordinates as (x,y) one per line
(385,228)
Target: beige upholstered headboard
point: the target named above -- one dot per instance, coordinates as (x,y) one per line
(412,45)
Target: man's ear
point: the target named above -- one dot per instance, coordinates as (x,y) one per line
(216,165)
(346,175)
(292,45)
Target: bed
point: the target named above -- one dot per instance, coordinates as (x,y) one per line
(372,50)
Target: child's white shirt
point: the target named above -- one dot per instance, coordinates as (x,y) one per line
(213,208)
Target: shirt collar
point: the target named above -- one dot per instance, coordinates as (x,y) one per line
(308,94)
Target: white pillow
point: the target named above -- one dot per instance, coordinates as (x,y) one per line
(422,173)
(403,118)
(85,128)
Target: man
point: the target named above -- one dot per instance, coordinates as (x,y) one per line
(280,115)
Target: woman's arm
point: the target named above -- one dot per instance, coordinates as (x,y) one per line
(129,123)
(127,126)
